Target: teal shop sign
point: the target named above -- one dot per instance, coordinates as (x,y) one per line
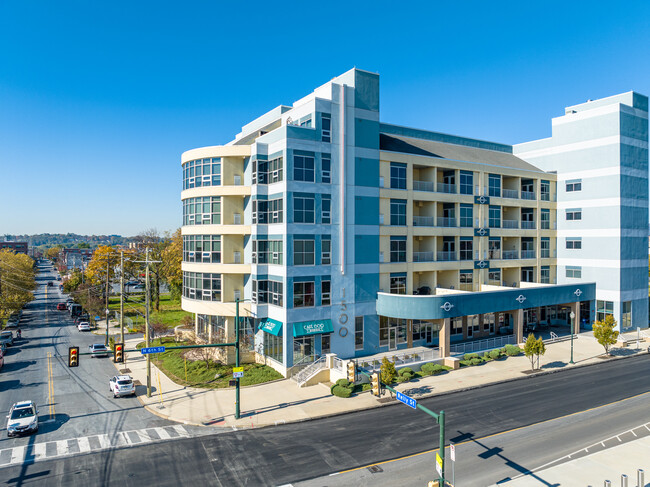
(316,327)
(269,325)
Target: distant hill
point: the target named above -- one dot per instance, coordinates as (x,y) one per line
(69,239)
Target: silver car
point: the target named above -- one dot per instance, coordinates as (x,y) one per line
(22,419)
(98,350)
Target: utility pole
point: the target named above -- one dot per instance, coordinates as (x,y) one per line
(108,267)
(237,409)
(146,325)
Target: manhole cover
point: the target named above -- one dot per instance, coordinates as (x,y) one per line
(375,469)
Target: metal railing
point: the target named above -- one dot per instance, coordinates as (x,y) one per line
(423,257)
(446,256)
(527,254)
(446,222)
(300,365)
(510,254)
(481,345)
(526,225)
(527,195)
(303,376)
(423,186)
(423,221)
(446,188)
(510,193)
(338,364)
(509,224)
(400,359)
(494,254)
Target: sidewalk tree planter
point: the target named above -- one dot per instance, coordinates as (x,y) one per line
(604,332)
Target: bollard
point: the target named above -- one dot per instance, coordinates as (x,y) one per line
(640,482)
(623,480)
(608,483)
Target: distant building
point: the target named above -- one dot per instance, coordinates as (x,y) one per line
(17,247)
(75,258)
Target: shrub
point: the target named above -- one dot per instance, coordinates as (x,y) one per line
(495,354)
(387,371)
(405,374)
(476,361)
(427,369)
(343,383)
(111,343)
(340,391)
(406,370)
(465,363)
(470,356)
(512,350)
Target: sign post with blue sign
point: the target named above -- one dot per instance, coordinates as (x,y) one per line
(146,350)
(409,401)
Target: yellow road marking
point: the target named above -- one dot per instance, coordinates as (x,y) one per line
(50,384)
(490,436)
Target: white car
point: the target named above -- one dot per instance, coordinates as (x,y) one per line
(83,326)
(22,419)
(122,385)
(98,350)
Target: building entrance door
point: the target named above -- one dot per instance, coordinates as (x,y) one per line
(429,333)
(392,338)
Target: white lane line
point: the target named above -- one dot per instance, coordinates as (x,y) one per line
(17,454)
(634,433)
(162,433)
(38,450)
(181,431)
(104,441)
(62,447)
(84,445)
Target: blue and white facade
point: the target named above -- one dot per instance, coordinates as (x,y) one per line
(342,234)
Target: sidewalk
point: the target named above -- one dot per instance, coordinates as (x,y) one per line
(283,401)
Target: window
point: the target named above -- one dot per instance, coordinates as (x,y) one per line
(202,248)
(305,121)
(545,190)
(267,252)
(385,324)
(604,308)
(202,211)
(626,314)
(573,271)
(495,216)
(303,252)
(303,209)
(466,248)
(398,249)
(202,286)
(456,326)
(326,209)
(326,252)
(265,212)
(574,243)
(303,168)
(466,215)
(326,169)
(494,275)
(494,248)
(573,214)
(273,347)
(466,182)
(303,294)
(358,333)
(326,293)
(398,212)
(265,172)
(397,175)
(267,292)
(326,127)
(574,185)
(202,172)
(494,185)
(325,343)
(527,274)
(545,248)
(466,280)
(545,219)
(398,283)
(545,274)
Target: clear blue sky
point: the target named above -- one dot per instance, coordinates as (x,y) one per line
(99,99)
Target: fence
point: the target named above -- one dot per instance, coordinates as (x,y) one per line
(400,359)
(481,345)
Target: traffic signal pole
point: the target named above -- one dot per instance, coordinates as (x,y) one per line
(237,409)
(146,325)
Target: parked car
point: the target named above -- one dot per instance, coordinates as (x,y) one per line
(50,283)
(7,337)
(98,350)
(60,306)
(22,419)
(122,385)
(2,357)
(83,326)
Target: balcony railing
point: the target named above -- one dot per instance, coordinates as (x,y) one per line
(494,254)
(510,254)
(528,225)
(446,188)
(446,256)
(545,254)
(510,193)
(423,221)
(423,257)
(527,254)
(423,186)
(509,224)
(446,222)
(527,195)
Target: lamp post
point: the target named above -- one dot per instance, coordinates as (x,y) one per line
(572,315)
(237,301)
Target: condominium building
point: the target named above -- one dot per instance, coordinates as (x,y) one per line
(330,232)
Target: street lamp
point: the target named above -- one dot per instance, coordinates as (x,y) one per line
(572,315)
(237,385)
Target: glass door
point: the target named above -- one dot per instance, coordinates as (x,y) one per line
(392,338)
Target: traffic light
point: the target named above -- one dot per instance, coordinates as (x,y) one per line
(73,357)
(118,356)
(376,385)
(352,371)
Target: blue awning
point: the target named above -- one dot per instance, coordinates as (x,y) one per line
(269,325)
(316,327)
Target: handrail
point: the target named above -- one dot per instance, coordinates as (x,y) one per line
(301,377)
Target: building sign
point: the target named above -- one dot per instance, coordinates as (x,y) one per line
(481,264)
(481,232)
(482,200)
(269,325)
(343,316)
(312,327)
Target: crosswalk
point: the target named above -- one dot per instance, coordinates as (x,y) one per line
(75,446)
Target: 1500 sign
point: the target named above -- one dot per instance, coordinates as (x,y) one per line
(343,316)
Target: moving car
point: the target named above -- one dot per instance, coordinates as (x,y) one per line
(7,337)
(98,350)
(60,307)
(22,419)
(122,385)
(83,326)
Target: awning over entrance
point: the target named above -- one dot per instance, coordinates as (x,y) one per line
(269,325)
(305,328)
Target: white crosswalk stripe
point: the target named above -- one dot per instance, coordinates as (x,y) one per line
(39,451)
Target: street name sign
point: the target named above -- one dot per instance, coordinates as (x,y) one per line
(145,351)
(409,401)
(238,372)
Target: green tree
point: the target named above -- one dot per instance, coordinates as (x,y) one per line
(172,255)
(541,349)
(604,332)
(17,281)
(387,371)
(530,349)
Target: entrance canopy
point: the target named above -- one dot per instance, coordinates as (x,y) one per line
(434,307)
(269,325)
(316,327)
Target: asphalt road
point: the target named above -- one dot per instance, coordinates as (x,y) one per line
(298,452)
(72,402)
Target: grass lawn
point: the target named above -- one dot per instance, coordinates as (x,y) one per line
(172,363)
(170,313)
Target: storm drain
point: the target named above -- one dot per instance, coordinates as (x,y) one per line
(375,469)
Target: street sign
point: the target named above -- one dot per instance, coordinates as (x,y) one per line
(439,464)
(145,351)
(409,401)
(452,452)
(238,372)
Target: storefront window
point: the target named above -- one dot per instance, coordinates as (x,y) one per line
(273,347)
(303,349)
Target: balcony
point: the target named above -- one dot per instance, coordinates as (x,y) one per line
(494,254)
(423,221)
(446,222)
(423,257)
(527,254)
(527,225)
(510,193)
(446,188)
(510,254)
(527,195)
(446,256)
(424,186)
(509,224)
